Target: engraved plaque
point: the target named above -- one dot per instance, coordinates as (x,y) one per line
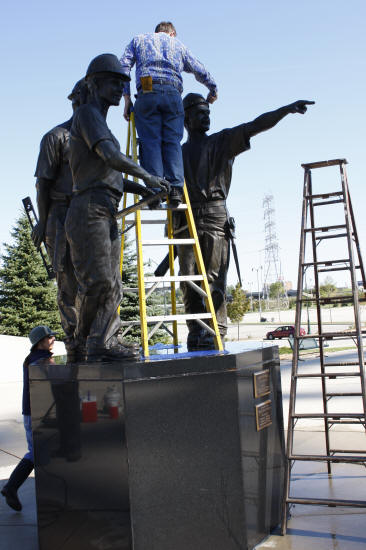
(261,384)
(263,414)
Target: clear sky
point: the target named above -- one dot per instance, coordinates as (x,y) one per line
(263,54)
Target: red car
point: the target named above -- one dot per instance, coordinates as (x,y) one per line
(284,332)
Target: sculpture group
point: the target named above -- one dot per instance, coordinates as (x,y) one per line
(80,183)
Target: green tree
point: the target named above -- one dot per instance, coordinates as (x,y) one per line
(239,305)
(276,289)
(328,288)
(27,296)
(129,310)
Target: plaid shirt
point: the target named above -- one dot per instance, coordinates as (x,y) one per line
(163,58)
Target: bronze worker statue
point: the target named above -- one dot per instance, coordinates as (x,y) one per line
(91,226)
(54,188)
(208,163)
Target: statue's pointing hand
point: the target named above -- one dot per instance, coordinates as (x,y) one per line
(300,106)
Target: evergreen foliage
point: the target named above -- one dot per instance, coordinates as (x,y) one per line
(129,309)
(27,296)
(239,305)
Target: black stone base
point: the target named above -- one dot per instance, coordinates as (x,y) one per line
(182,467)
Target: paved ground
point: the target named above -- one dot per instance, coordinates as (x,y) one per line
(309,527)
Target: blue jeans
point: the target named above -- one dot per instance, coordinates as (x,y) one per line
(159,117)
(28,433)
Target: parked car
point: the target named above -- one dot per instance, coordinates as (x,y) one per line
(286,331)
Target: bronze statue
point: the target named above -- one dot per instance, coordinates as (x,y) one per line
(208,162)
(54,188)
(97,164)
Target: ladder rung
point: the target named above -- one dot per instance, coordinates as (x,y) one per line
(161,221)
(164,208)
(175,278)
(346,268)
(327,375)
(342,364)
(329,335)
(327,458)
(327,502)
(326,263)
(337,236)
(325,195)
(335,416)
(323,203)
(160,242)
(325,228)
(183,317)
(350,451)
(338,394)
(324,163)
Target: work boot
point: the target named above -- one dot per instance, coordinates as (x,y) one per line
(175,197)
(114,353)
(17,478)
(193,340)
(120,341)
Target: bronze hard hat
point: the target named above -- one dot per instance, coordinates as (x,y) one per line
(191,100)
(107,63)
(77,88)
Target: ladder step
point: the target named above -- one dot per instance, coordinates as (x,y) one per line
(335,416)
(172,279)
(350,451)
(327,502)
(170,318)
(325,228)
(161,221)
(331,299)
(327,458)
(324,163)
(164,208)
(342,364)
(327,262)
(330,270)
(183,317)
(160,242)
(338,394)
(337,236)
(327,375)
(329,335)
(323,203)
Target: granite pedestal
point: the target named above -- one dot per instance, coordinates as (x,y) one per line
(177,464)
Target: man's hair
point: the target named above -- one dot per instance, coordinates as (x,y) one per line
(166,26)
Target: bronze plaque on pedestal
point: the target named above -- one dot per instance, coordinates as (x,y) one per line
(263,414)
(261,384)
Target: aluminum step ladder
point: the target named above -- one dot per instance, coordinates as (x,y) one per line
(147,284)
(331,373)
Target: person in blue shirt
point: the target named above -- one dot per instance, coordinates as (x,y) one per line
(160,59)
(42,339)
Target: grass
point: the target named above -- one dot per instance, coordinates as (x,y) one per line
(284,350)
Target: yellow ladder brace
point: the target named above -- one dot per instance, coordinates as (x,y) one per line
(140,264)
(201,269)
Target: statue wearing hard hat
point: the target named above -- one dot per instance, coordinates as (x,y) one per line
(54,188)
(208,163)
(97,164)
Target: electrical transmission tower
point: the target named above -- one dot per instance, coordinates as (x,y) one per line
(272,264)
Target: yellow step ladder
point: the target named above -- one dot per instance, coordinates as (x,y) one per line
(199,282)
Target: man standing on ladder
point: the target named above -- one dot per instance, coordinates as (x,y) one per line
(208,162)
(91,226)
(160,59)
(54,188)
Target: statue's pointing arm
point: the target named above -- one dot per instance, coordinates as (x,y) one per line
(269,120)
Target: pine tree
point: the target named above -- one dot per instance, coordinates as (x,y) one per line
(27,296)
(129,309)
